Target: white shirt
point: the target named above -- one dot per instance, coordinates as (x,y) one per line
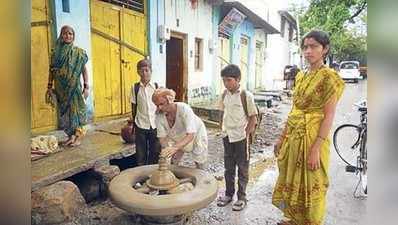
(145,115)
(186,122)
(235,120)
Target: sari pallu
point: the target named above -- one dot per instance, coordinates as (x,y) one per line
(299,192)
(67,64)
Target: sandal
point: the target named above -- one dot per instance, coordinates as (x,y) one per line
(75,144)
(223,201)
(239,205)
(69,141)
(284,223)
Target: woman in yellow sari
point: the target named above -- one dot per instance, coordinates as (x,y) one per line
(303,149)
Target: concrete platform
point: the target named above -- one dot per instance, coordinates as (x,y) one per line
(102,143)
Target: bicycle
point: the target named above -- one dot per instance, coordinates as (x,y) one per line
(349,141)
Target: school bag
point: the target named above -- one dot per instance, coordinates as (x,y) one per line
(259,116)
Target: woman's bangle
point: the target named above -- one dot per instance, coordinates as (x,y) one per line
(322,138)
(85,85)
(50,85)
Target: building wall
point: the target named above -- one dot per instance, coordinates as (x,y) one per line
(195,23)
(280,53)
(260,36)
(157,50)
(246,28)
(79,19)
(277,59)
(216,83)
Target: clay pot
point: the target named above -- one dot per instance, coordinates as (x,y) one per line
(127,132)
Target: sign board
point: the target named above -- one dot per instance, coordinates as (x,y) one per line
(230,22)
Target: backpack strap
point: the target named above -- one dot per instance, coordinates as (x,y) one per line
(223,96)
(244,104)
(134,106)
(243,99)
(221,115)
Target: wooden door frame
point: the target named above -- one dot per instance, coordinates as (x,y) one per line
(183,37)
(261,50)
(247,38)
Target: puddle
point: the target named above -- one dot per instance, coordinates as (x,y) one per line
(258,169)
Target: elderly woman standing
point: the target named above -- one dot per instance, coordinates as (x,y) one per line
(179,129)
(67,65)
(303,149)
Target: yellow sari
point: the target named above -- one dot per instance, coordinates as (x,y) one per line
(299,192)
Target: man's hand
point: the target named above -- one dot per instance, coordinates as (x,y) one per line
(168,152)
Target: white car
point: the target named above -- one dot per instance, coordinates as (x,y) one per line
(349,70)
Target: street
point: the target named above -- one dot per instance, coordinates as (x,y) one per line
(99,66)
(342,207)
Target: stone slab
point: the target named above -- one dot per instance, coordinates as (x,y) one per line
(96,147)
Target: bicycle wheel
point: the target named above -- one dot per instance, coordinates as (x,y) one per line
(364,162)
(346,142)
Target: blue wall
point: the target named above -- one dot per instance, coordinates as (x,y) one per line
(79,19)
(156,16)
(246,28)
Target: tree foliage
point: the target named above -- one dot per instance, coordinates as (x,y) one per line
(333,16)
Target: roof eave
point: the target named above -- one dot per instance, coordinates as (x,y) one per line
(257,21)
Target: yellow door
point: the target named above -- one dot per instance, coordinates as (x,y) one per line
(106,59)
(259,64)
(43,117)
(134,47)
(244,60)
(117,35)
(225,53)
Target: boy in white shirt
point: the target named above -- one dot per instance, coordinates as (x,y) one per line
(143,112)
(238,122)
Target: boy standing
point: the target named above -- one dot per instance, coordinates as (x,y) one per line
(238,122)
(143,112)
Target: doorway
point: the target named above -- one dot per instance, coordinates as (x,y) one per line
(259,64)
(244,61)
(176,68)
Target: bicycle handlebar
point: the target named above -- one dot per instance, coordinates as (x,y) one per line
(362,106)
